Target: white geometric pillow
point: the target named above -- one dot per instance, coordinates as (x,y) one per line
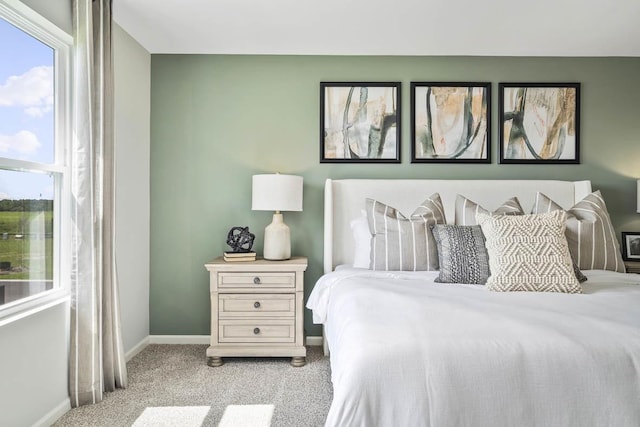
(466,210)
(592,239)
(529,253)
(400,243)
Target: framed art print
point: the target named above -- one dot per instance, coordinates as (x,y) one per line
(450,122)
(539,123)
(630,246)
(359,122)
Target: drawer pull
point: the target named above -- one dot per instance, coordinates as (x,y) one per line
(256,331)
(256,304)
(256,280)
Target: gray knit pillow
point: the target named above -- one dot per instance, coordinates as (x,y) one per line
(592,239)
(462,255)
(400,243)
(467,210)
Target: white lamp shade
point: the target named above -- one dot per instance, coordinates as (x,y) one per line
(276,192)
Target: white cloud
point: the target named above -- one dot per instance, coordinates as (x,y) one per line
(23,142)
(32,90)
(37,111)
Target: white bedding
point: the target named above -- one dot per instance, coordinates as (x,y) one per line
(406,351)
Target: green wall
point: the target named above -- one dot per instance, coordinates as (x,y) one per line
(216,120)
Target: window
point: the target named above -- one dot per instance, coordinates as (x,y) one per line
(34,141)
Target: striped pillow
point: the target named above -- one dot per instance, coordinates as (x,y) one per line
(400,243)
(529,253)
(466,210)
(592,239)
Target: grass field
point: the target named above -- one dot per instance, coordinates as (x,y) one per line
(26,242)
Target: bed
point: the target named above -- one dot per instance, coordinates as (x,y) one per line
(406,351)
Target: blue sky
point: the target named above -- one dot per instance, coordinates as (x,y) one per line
(26,111)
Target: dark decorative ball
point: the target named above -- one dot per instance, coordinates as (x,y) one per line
(240,239)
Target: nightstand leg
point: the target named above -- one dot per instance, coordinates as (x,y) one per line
(214,361)
(298,361)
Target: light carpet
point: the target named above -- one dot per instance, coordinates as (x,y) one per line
(171,385)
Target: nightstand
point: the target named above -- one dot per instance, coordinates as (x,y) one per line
(632,266)
(257,309)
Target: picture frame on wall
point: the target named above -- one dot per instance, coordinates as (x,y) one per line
(539,123)
(360,122)
(631,246)
(451,122)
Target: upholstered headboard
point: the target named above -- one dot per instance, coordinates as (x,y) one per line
(344,201)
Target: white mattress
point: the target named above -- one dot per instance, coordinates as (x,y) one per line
(406,351)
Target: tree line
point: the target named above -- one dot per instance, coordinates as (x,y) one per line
(26,205)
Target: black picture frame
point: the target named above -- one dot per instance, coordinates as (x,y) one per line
(547,117)
(370,125)
(631,246)
(464,108)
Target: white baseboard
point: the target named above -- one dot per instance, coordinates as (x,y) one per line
(179,339)
(314,341)
(53,415)
(191,339)
(137,348)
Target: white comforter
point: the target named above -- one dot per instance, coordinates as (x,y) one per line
(406,351)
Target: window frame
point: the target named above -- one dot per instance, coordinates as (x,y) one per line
(35,25)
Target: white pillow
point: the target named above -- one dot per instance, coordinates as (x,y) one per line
(361,241)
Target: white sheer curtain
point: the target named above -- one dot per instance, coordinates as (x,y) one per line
(96,359)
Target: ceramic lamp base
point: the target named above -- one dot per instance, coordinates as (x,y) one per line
(277,239)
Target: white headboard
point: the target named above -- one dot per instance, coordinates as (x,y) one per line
(344,201)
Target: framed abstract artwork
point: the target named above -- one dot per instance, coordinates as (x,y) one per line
(359,122)
(539,123)
(450,122)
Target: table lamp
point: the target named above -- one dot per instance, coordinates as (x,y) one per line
(276,192)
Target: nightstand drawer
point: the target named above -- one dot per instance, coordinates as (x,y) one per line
(256,305)
(256,280)
(256,331)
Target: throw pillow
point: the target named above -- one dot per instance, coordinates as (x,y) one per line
(361,241)
(591,236)
(462,255)
(400,243)
(529,253)
(467,210)
(579,275)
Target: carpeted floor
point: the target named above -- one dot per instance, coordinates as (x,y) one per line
(171,385)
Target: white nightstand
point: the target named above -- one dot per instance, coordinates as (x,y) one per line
(257,309)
